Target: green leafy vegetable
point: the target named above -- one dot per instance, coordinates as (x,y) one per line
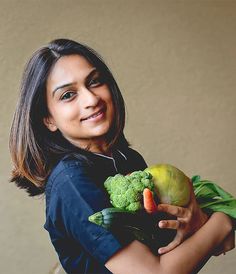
(211,197)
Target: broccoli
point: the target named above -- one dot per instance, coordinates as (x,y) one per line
(126,192)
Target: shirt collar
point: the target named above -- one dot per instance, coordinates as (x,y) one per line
(111,157)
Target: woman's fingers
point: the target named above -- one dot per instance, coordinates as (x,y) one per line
(177,241)
(172,210)
(187,221)
(170,224)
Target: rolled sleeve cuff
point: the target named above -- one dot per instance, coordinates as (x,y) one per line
(106,246)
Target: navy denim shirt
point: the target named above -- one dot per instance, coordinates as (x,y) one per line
(74,191)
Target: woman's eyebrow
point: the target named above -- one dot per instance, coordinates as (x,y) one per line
(92,73)
(62,86)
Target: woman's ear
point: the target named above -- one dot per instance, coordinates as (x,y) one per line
(50,123)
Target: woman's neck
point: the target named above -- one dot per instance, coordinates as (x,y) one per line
(96,146)
(101,150)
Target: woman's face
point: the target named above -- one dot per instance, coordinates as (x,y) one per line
(79,102)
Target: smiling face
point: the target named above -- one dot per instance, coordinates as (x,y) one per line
(79,103)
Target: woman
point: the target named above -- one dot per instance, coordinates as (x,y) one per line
(66,139)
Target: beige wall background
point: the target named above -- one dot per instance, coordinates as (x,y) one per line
(175,62)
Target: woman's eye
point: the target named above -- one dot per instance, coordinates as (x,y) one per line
(95,82)
(68,95)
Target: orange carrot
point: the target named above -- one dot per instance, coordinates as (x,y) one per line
(148,201)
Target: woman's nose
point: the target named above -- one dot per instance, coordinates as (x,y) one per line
(88,98)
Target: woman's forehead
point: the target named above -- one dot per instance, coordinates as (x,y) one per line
(69,68)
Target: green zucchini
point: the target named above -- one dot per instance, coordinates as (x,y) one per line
(128,222)
(110,216)
(142,226)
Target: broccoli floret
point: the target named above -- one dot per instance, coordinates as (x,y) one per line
(126,192)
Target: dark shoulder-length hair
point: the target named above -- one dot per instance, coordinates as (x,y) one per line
(35,149)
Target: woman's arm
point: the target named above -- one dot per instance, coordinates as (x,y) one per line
(137,258)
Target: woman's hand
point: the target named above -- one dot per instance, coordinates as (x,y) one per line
(227,245)
(188,219)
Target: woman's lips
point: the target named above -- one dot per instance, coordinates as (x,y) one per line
(95,116)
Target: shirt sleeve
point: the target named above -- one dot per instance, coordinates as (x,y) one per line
(74,198)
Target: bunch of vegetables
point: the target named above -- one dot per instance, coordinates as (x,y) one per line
(168,185)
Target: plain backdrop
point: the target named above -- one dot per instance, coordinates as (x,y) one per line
(175,62)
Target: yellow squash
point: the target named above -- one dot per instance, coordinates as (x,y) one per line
(172,186)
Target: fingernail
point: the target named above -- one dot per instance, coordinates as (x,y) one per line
(161,224)
(160,250)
